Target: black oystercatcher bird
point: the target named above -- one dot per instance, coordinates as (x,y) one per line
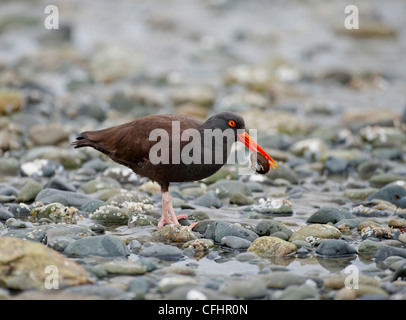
(172,148)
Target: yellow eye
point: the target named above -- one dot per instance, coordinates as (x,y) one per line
(231,123)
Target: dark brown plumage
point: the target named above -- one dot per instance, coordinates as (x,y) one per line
(130,144)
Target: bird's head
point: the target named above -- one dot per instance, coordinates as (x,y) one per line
(230,120)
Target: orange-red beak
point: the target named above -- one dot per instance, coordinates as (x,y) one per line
(254,147)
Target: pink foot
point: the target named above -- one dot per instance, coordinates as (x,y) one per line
(169,220)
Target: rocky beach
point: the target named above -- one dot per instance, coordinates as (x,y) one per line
(327,103)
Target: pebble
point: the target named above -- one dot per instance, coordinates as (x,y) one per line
(209,199)
(241,199)
(123,267)
(174,233)
(319,231)
(272,247)
(25,262)
(104,246)
(162,251)
(334,248)
(269,227)
(110,215)
(29,191)
(219,229)
(329,214)
(235,242)
(384,252)
(67,198)
(226,188)
(392,193)
(245,289)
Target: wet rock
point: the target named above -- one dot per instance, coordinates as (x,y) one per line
(384,252)
(98,184)
(336,165)
(169,283)
(110,215)
(368,168)
(283,279)
(118,197)
(397,223)
(9,191)
(60,184)
(58,236)
(123,267)
(359,194)
(104,246)
(271,247)
(55,212)
(329,214)
(392,193)
(9,166)
(400,271)
(283,172)
(338,281)
(224,188)
(294,292)
(67,198)
(335,248)
(101,291)
(48,134)
(241,199)
(162,251)
(140,219)
(40,168)
(269,227)
(235,242)
(312,149)
(11,101)
(66,158)
(245,289)
(363,292)
(381,180)
(24,265)
(174,233)
(376,232)
(275,207)
(29,191)
(209,199)
(362,211)
(316,231)
(92,205)
(378,135)
(219,229)
(4,215)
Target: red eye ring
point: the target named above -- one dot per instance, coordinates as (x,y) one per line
(231,123)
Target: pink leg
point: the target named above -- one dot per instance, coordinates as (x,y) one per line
(172,218)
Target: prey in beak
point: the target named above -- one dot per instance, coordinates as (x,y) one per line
(254,147)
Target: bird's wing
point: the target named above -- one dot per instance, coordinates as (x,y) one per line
(130,143)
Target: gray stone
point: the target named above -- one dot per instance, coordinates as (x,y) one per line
(235,242)
(226,188)
(267,227)
(392,193)
(336,165)
(219,229)
(209,199)
(67,198)
(29,191)
(384,252)
(162,251)
(335,248)
(329,214)
(104,245)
